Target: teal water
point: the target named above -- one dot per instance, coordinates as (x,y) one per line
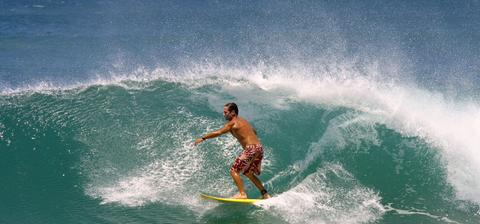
(368,110)
(122,153)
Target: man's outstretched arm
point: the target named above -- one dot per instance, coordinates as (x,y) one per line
(228,127)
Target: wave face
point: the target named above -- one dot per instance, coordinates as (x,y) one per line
(368,112)
(335,152)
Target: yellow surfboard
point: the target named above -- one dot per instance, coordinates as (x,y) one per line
(232,200)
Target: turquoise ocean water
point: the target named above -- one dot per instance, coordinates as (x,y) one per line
(368,111)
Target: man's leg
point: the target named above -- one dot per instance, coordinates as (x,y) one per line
(258,184)
(238,181)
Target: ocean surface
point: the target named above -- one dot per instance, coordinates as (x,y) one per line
(369,111)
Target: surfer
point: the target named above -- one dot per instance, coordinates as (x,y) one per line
(249,161)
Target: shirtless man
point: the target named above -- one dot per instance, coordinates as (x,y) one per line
(249,161)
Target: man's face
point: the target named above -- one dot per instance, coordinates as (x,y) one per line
(227,114)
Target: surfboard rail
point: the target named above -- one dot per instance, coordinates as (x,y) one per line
(230,200)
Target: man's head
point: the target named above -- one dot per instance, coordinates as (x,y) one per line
(230,110)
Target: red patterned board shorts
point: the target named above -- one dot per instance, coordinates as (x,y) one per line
(250,160)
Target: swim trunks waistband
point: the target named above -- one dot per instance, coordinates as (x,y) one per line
(253,145)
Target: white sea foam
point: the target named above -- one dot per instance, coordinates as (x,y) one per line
(330,195)
(389,208)
(171,178)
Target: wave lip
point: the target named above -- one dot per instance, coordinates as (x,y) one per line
(137,79)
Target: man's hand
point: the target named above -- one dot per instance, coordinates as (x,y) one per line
(198,141)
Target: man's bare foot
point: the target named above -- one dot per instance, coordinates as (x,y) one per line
(266,196)
(240,196)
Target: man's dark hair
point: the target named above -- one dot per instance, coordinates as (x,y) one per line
(232,106)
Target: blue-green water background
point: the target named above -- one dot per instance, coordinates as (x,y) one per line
(368,110)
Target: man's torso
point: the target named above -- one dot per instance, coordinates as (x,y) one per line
(244,132)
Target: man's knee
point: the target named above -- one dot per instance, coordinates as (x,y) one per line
(234,172)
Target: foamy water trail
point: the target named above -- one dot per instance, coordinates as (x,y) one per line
(420,213)
(330,195)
